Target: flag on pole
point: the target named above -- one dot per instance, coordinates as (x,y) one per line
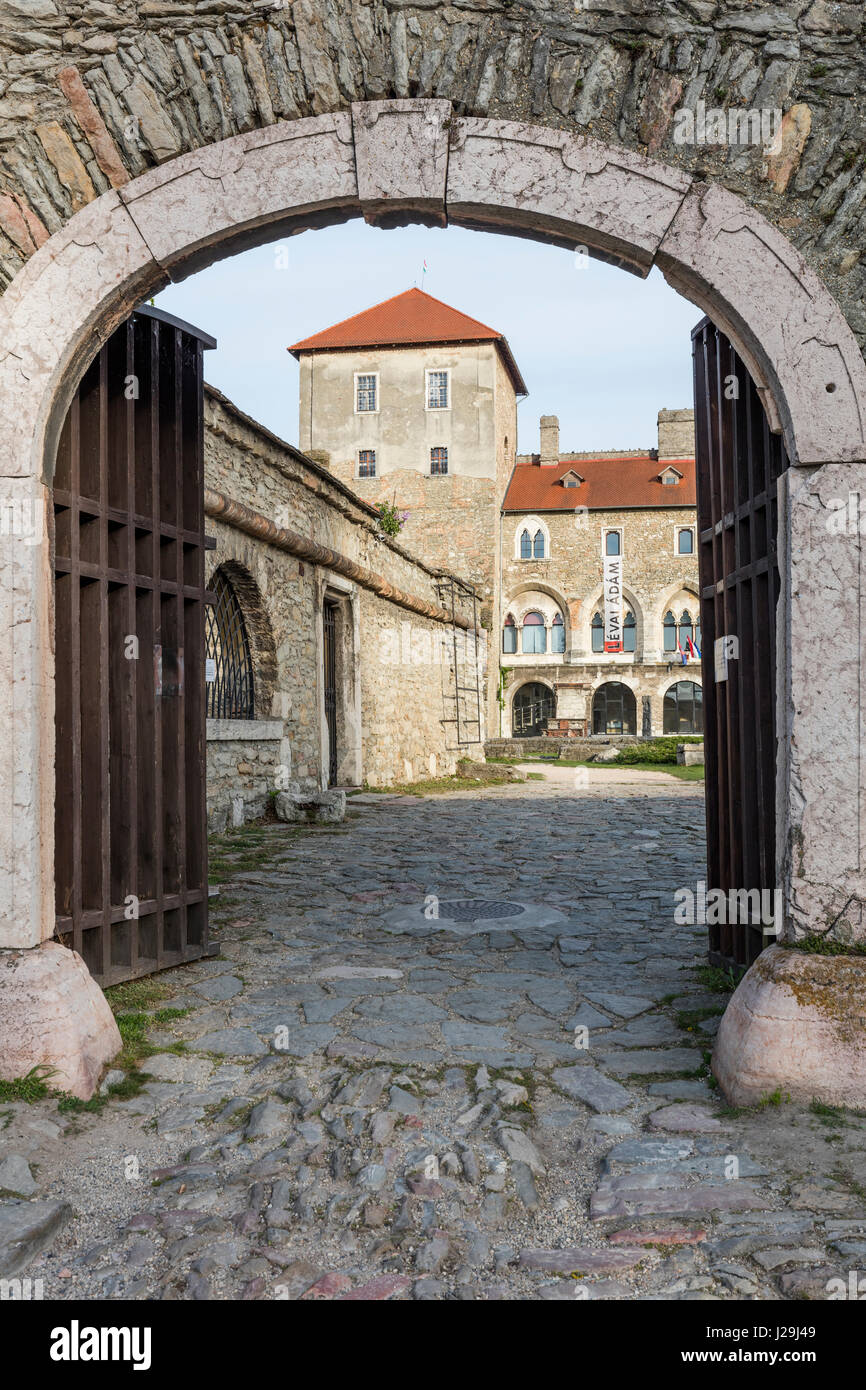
(424,269)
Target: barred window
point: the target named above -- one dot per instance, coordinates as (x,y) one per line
(437,390)
(228,660)
(538,545)
(439,460)
(366,385)
(367,463)
(526,546)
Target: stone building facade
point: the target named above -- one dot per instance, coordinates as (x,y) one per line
(295,550)
(414,403)
(562,514)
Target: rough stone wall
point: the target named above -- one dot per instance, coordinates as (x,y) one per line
(93,92)
(405,687)
(241,771)
(676,433)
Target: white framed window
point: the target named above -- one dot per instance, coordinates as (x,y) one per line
(531,539)
(439,460)
(438,392)
(366,393)
(684,540)
(611,542)
(366,463)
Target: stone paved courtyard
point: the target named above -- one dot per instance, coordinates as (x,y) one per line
(373,1103)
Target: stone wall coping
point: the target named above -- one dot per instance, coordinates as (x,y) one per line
(244,730)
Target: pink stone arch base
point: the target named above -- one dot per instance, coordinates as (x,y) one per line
(391,162)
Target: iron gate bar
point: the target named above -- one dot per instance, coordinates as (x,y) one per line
(128,541)
(739,463)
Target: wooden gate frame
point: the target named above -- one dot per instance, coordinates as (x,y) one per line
(129,545)
(418,160)
(738,464)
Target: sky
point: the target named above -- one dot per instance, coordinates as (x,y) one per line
(602,349)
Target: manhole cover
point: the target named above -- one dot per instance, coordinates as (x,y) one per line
(471,909)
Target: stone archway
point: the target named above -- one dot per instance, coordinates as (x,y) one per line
(399,161)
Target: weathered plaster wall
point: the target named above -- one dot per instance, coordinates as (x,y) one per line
(401,430)
(93,92)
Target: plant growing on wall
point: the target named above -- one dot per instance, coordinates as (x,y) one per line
(390,520)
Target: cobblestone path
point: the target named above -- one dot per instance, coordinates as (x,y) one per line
(371,1103)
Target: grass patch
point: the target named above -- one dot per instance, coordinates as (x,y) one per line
(716,980)
(30,1088)
(817,945)
(169,1015)
(695,773)
(436,786)
(689,1019)
(134,995)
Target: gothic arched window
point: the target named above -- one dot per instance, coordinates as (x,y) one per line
(534,633)
(525,546)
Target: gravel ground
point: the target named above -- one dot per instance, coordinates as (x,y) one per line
(366,1100)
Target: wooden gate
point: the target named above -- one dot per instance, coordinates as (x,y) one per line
(131,853)
(739,463)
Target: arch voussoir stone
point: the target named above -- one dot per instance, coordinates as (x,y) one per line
(787,327)
(509,176)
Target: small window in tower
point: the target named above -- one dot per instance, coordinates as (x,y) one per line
(439,460)
(367,463)
(612,543)
(437,390)
(367,393)
(685,541)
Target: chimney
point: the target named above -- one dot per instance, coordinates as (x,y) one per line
(676,434)
(549,439)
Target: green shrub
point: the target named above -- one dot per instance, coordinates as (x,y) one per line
(655,750)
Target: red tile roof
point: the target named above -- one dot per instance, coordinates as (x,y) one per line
(409,319)
(612,482)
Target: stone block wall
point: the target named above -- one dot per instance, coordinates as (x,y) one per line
(242,761)
(96,92)
(396,686)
